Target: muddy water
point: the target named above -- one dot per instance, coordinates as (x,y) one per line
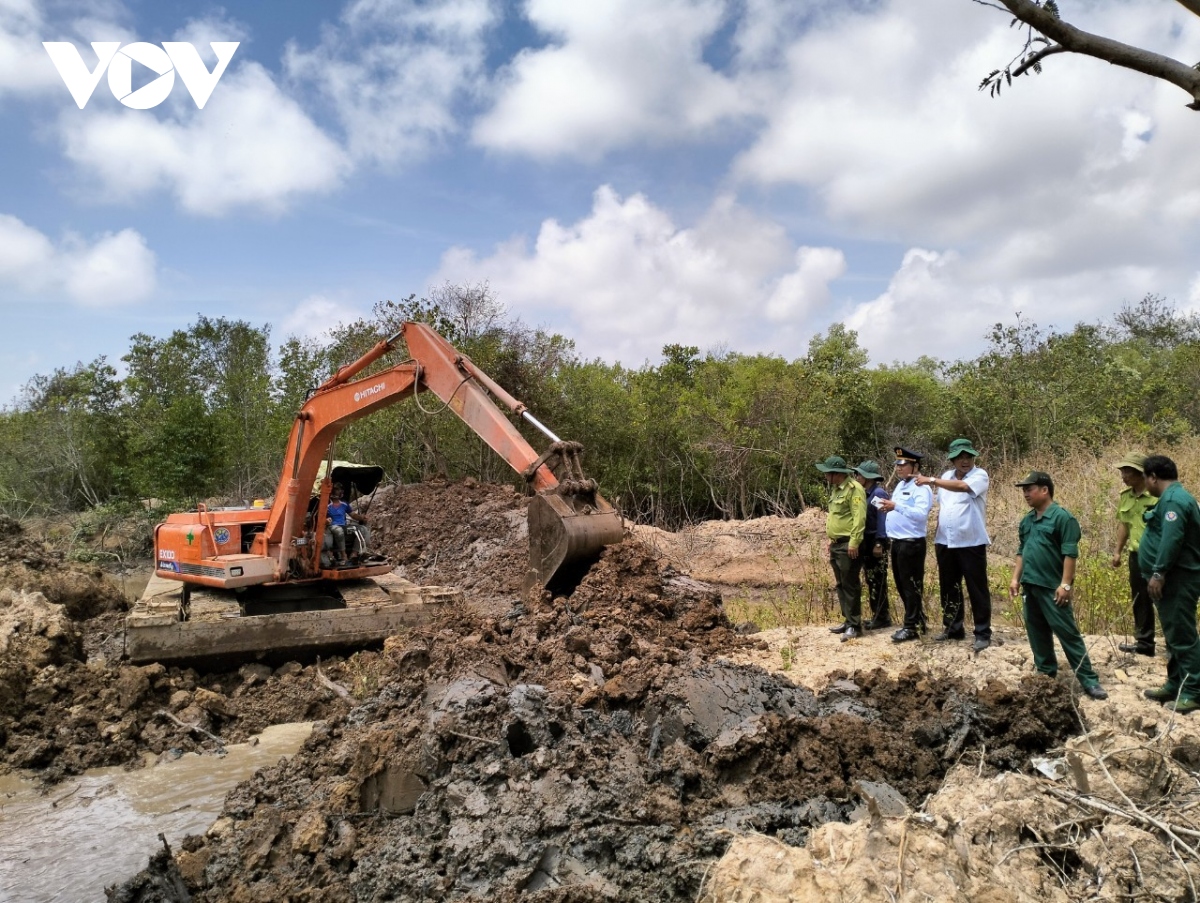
(67,845)
(132,583)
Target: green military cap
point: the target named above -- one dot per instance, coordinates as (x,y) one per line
(958,446)
(870,470)
(833,464)
(1134,462)
(1036,478)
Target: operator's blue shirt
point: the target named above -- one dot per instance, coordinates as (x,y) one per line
(338,511)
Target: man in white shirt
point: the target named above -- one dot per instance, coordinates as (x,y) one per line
(906,525)
(961,544)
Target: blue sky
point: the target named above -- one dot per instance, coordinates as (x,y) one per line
(630,173)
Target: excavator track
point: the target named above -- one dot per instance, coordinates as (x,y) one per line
(218,626)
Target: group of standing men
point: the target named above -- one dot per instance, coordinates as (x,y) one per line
(1159,521)
(862,515)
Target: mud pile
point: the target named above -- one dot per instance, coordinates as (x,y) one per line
(67,716)
(766,552)
(466,534)
(32,566)
(591,748)
(1107,825)
(66,704)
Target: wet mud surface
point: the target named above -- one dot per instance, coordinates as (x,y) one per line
(593,748)
(67,703)
(596,747)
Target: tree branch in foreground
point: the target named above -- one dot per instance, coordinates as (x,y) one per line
(1043,18)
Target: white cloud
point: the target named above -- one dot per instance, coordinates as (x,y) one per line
(117,267)
(391,72)
(943,303)
(112,268)
(626,280)
(25,67)
(879,115)
(617,72)
(313,317)
(394,70)
(807,287)
(1193,295)
(250,147)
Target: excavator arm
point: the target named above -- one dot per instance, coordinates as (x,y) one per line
(569,521)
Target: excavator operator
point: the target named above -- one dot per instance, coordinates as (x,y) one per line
(338,512)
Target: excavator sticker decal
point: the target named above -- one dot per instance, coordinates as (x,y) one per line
(369,391)
(221,535)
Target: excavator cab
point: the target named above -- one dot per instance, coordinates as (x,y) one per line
(358,483)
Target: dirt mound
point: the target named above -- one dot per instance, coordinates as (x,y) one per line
(29,565)
(1010,839)
(67,716)
(35,635)
(586,749)
(466,534)
(766,551)
(612,744)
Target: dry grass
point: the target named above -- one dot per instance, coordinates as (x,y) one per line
(1086,484)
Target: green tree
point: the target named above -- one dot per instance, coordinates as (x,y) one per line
(64,447)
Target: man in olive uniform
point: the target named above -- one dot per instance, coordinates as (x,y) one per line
(1133,504)
(1045,569)
(1169,556)
(845,526)
(875,546)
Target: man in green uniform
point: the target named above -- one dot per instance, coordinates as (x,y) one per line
(845,525)
(1135,500)
(1169,557)
(1045,569)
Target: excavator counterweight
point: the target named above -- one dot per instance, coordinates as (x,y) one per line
(249,582)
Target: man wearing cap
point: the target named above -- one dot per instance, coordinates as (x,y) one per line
(960,545)
(907,523)
(1169,556)
(845,526)
(875,546)
(1134,502)
(1045,569)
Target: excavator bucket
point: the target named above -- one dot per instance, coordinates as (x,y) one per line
(567,532)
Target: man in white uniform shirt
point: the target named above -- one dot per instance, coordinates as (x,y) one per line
(906,525)
(961,544)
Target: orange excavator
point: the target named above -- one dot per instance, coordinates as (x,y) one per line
(287,596)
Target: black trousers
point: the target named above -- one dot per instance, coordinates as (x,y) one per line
(875,575)
(908,570)
(955,567)
(1143,606)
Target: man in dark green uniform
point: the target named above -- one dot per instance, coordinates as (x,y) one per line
(1045,570)
(845,525)
(1169,557)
